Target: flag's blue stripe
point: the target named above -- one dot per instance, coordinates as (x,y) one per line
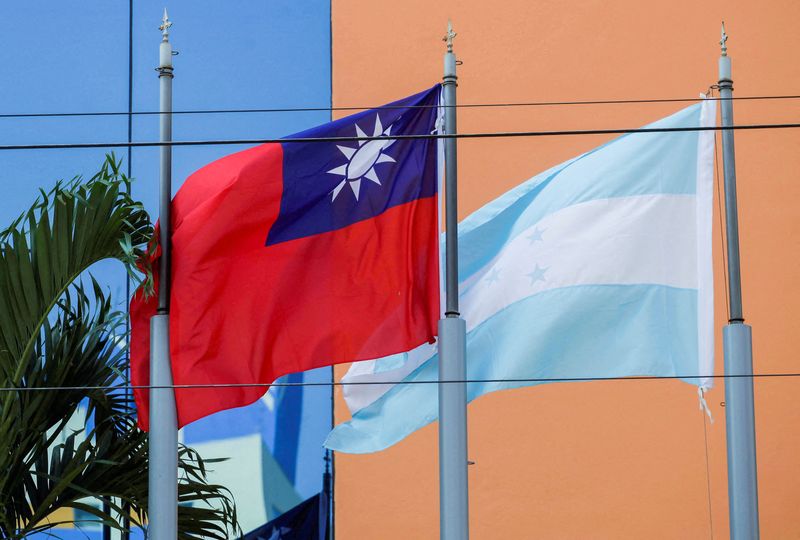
(634,164)
(582,331)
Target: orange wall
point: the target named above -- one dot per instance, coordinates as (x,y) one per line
(606,459)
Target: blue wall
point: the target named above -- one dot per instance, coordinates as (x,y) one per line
(73,56)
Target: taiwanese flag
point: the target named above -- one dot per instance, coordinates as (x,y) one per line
(295,255)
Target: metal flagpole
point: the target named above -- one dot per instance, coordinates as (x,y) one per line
(737,341)
(126,509)
(162,505)
(453,491)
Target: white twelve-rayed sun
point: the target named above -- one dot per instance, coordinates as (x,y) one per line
(361,161)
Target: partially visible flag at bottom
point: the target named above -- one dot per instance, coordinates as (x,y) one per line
(599,267)
(306,521)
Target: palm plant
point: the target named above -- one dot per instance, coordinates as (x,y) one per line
(58,330)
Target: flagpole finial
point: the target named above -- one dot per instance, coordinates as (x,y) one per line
(448,38)
(723,41)
(165,25)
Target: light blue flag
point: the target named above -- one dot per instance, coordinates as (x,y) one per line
(599,267)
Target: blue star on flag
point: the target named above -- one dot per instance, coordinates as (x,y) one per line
(536,235)
(494,276)
(537,274)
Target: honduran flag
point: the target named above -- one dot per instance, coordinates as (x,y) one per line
(296,255)
(597,268)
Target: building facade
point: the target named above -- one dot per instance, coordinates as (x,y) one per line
(621,459)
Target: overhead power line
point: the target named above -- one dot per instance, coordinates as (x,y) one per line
(367,383)
(487,135)
(363,108)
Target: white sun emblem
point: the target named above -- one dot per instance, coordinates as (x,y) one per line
(361,161)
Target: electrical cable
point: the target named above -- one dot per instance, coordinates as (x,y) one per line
(485,135)
(366,383)
(721,213)
(354,108)
(708,478)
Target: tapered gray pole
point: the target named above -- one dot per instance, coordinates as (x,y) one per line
(453,488)
(737,342)
(162,508)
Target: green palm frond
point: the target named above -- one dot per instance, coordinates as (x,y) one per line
(57,331)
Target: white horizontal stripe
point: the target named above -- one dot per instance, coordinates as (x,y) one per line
(645,239)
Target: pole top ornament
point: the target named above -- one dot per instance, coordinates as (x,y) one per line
(448,38)
(165,25)
(723,42)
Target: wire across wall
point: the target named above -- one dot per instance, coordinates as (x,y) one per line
(363,108)
(425,136)
(531,380)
